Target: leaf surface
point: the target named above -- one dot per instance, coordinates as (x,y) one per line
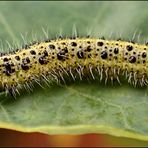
(79,107)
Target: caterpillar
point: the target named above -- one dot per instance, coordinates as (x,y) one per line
(76,57)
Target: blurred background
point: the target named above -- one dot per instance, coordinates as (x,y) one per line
(9,138)
(34,20)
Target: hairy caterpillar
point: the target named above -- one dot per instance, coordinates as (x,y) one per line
(76,57)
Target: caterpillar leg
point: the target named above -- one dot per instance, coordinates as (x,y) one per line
(12,91)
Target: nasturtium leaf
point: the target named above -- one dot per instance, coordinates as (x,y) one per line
(81,106)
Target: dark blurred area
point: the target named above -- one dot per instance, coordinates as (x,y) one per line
(10,138)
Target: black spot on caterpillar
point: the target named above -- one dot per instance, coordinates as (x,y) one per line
(51,59)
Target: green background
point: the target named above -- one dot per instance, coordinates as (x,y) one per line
(80,107)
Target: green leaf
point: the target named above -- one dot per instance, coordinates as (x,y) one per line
(83,106)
